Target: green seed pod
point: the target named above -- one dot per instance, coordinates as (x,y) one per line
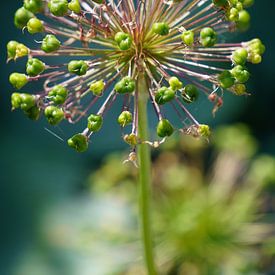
(125,118)
(240,74)
(35,25)
(125,85)
(164,95)
(243,22)
(50,43)
(33,6)
(175,83)
(123,40)
(58,94)
(255,50)
(204,131)
(58,7)
(79,142)
(208,37)
(74,6)
(190,93)
(95,122)
(18,80)
(131,139)
(15,100)
(23,101)
(226,79)
(21,51)
(188,38)
(54,115)
(97,87)
(233,14)
(98,1)
(34,67)
(21,17)
(33,113)
(160,28)
(239,57)
(248,3)
(11,49)
(164,128)
(239,89)
(220,3)
(78,67)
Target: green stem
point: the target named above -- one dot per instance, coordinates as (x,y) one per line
(145,182)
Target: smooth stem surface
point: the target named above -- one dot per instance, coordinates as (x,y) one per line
(144,156)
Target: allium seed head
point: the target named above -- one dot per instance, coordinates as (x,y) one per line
(177,45)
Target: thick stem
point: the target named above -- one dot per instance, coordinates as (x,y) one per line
(144,175)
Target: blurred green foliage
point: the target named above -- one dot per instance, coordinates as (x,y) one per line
(208,217)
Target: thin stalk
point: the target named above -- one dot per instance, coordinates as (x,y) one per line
(145,182)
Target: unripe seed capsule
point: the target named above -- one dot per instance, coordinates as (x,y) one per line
(54,115)
(175,83)
(94,122)
(58,7)
(78,67)
(208,37)
(33,6)
(35,25)
(79,142)
(97,87)
(50,43)
(21,17)
(18,80)
(125,118)
(188,38)
(190,93)
(164,95)
(226,79)
(58,94)
(34,67)
(160,28)
(164,128)
(125,85)
(74,6)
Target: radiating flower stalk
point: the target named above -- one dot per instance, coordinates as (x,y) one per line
(144,51)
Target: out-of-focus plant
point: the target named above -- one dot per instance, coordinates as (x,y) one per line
(209,217)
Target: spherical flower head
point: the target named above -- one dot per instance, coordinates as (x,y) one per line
(102,50)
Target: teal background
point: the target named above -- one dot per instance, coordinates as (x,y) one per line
(38,169)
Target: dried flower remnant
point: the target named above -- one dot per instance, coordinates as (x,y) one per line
(109,43)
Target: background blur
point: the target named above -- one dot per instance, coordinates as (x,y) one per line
(55,219)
